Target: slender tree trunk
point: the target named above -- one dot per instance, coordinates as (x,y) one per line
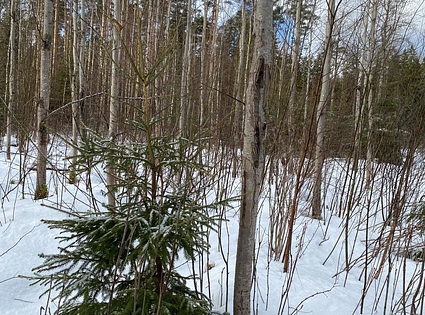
(90,50)
(294,76)
(55,39)
(6,87)
(6,92)
(74,87)
(150,52)
(316,203)
(103,62)
(203,55)
(82,61)
(240,87)
(308,83)
(185,67)
(167,72)
(253,154)
(167,24)
(360,89)
(12,74)
(372,44)
(211,82)
(37,70)
(157,101)
(114,103)
(82,74)
(43,103)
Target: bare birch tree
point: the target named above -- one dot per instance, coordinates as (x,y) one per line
(370,100)
(114,103)
(55,39)
(203,58)
(41,190)
(360,89)
(82,58)
(74,86)
(240,90)
(77,86)
(185,69)
(321,117)
(12,74)
(253,154)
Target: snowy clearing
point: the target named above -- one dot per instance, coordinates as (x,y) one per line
(318,281)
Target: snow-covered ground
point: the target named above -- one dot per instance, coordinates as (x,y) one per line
(318,282)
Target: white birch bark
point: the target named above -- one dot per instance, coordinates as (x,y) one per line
(12,74)
(211,74)
(74,84)
(369,153)
(82,55)
(360,90)
(240,90)
(253,154)
(203,55)
(55,38)
(43,103)
(185,67)
(321,116)
(90,50)
(114,103)
(240,87)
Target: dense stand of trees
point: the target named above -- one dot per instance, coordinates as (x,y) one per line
(201,68)
(205,76)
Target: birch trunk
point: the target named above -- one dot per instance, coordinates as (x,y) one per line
(114,103)
(82,61)
(360,91)
(74,87)
(43,103)
(102,83)
(90,50)
(6,89)
(321,117)
(369,153)
(240,87)
(12,74)
(185,67)
(82,47)
(203,55)
(212,83)
(55,38)
(253,154)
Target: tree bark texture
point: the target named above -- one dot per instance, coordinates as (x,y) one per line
(114,103)
(82,59)
(43,103)
(75,77)
(321,117)
(253,154)
(361,88)
(12,74)
(372,44)
(185,70)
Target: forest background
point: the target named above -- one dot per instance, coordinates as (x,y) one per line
(350,91)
